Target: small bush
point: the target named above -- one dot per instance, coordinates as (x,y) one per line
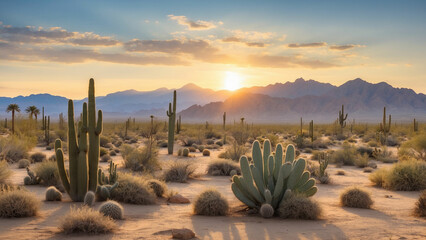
(367,170)
(420,209)
(341,173)
(38,157)
(112,153)
(298,207)
(18,203)
(13,148)
(192,149)
(361,161)
(103,151)
(48,173)
(104,140)
(140,159)
(105,158)
(5,172)
(179,171)
(414,148)
(345,156)
(158,187)
(210,203)
(206,152)
(379,176)
(222,167)
(356,198)
(23,163)
(235,151)
(132,189)
(86,220)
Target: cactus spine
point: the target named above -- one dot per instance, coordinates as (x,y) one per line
(224,128)
(342,119)
(415,125)
(171,113)
(83,155)
(385,128)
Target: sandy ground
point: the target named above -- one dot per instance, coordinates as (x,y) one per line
(390,218)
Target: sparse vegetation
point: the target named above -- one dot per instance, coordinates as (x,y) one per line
(210,203)
(159,187)
(356,198)
(47,172)
(5,172)
(86,220)
(139,159)
(299,207)
(38,157)
(18,203)
(344,156)
(179,171)
(420,208)
(23,163)
(222,167)
(133,189)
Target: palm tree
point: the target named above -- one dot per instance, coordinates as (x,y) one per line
(32,110)
(12,108)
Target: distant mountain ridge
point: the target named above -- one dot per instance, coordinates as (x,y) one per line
(279,102)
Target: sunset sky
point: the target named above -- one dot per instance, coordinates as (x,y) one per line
(56,46)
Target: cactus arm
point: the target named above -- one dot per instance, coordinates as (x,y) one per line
(238,181)
(266,153)
(268,196)
(258,180)
(248,179)
(278,160)
(279,188)
(289,154)
(308,185)
(99,124)
(61,168)
(242,197)
(303,179)
(94,129)
(73,152)
(295,175)
(82,180)
(310,192)
(257,157)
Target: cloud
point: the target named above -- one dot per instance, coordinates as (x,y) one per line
(239,40)
(192,25)
(307,45)
(344,47)
(273,61)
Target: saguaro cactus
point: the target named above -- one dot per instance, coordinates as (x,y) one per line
(171,113)
(178,124)
(311,130)
(224,128)
(83,157)
(385,128)
(415,125)
(42,119)
(47,129)
(342,119)
(301,127)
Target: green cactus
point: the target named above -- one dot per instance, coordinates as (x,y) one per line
(385,128)
(171,113)
(42,119)
(83,157)
(266,210)
(112,178)
(415,125)
(112,209)
(31,179)
(47,130)
(301,127)
(178,124)
(323,163)
(311,130)
(342,119)
(185,152)
(104,192)
(53,194)
(270,179)
(89,198)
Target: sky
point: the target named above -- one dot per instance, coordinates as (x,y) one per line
(56,46)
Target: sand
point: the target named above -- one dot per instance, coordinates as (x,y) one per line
(390,218)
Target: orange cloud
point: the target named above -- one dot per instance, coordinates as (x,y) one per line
(192,25)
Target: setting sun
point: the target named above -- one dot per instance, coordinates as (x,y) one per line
(232,81)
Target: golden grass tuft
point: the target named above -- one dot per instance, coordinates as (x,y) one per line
(86,220)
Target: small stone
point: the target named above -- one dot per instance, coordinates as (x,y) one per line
(178,199)
(183,233)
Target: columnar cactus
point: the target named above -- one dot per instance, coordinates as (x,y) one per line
(270,180)
(47,130)
(178,124)
(311,130)
(385,128)
(83,157)
(112,178)
(415,125)
(104,192)
(342,119)
(323,163)
(171,113)
(42,119)
(301,127)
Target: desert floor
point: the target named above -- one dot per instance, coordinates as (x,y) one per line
(390,218)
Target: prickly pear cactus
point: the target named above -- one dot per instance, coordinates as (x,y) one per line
(112,209)
(271,178)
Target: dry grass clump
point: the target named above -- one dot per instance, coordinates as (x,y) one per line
(47,172)
(157,186)
(23,163)
(5,172)
(234,152)
(210,203)
(140,159)
(361,161)
(356,198)
(420,209)
(222,167)
(414,148)
(38,157)
(14,149)
(133,189)
(179,171)
(18,203)
(345,156)
(299,207)
(86,220)
(340,173)
(403,176)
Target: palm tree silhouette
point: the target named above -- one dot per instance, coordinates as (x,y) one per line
(33,110)
(12,108)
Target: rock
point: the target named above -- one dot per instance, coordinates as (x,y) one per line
(178,199)
(183,233)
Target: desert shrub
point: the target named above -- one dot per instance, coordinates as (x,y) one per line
(210,133)
(318,143)
(206,152)
(313,168)
(420,208)
(112,153)
(356,198)
(341,173)
(5,172)
(23,163)
(240,135)
(105,158)
(235,151)
(52,158)
(222,167)
(162,144)
(140,159)
(219,143)
(414,148)
(367,170)
(158,187)
(112,209)
(18,203)
(222,155)
(86,220)
(210,142)
(133,189)
(104,140)
(179,171)
(373,144)
(299,207)
(48,173)
(200,148)
(361,161)
(344,156)
(192,149)
(38,157)
(383,155)
(402,176)
(210,203)
(188,142)
(273,138)
(12,149)
(103,151)
(365,150)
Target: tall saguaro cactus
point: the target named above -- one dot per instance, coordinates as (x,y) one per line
(385,128)
(342,119)
(224,128)
(171,113)
(178,124)
(415,125)
(311,130)
(83,154)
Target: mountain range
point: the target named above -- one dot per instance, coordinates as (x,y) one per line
(279,102)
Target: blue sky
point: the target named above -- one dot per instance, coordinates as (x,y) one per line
(385,41)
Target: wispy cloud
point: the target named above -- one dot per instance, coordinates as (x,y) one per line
(344,47)
(192,25)
(307,45)
(239,40)
(275,61)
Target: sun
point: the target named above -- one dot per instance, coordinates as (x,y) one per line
(232,81)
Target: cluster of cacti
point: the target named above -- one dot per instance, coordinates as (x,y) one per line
(415,125)
(47,130)
(171,113)
(53,194)
(83,157)
(89,198)
(224,128)
(112,209)
(385,127)
(111,178)
(311,130)
(178,125)
(342,119)
(269,179)
(103,192)
(31,179)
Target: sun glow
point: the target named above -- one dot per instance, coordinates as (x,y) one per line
(232,81)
